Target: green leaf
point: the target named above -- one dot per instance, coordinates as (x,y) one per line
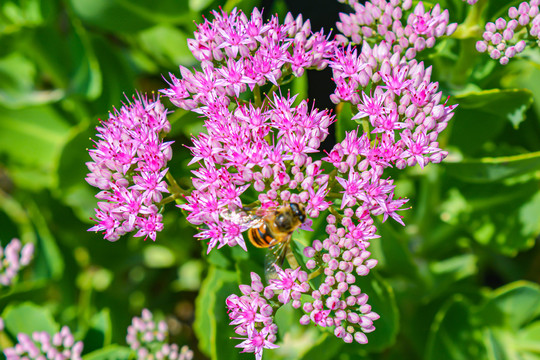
(507,317)
(498,344)
(117,73)
(198,5)
(446,272)
(211,320)
(498,8)
(111,352)
(220,257)
(17,85)
(481,116)
(157,42)
(71,186)
(32,138)
(158,256)
(244,268)
(189,276)
(28,13)
(508,103)
(326,347)
(28,318)
(86,78)
(528,216)
(528,339)
(14,220)
(494,169)
(452,335)
(497,215)
(523,73)
(512,306)
(298,252)
(99,334)
(48,263)
(130,16)
(391,251)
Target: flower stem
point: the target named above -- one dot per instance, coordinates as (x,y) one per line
(334,212)
(257,96)
(291,259)
(316,273)
(470,30)
(169,199)
(365,127)
(176,191)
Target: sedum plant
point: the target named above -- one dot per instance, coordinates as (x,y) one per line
(368,217)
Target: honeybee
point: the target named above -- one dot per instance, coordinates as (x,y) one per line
(276,231)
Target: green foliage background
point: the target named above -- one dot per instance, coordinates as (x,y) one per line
(460,281)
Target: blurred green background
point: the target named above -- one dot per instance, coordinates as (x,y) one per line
(460,281)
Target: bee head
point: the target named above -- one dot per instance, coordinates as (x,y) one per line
(298,211)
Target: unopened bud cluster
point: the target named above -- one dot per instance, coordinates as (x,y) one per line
(149,340)
(42,346)
(379,21)
(507,37)
(12,259)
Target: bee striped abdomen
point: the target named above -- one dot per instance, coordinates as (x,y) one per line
(260,237)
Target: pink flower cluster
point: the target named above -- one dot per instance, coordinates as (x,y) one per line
(41,346)
(130,160)
(150,340)
(501,39)
(239,53)
(259,154)
(12,259)
(471,2)
(403,109)
(251,313)
(381,20)
(264,148)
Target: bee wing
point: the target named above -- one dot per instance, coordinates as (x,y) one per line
(276,255)
(245,219)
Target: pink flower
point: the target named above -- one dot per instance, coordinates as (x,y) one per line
(397,81)
(371,106)
(286,282)
(256,342)
(244,312)
(352,189)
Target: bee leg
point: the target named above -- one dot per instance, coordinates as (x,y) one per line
(270,273)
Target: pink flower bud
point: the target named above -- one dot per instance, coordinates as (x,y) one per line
(324,289)
(495,54)
(339,331)
(305,320)
(513,12)
(360,337)
(362,299)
